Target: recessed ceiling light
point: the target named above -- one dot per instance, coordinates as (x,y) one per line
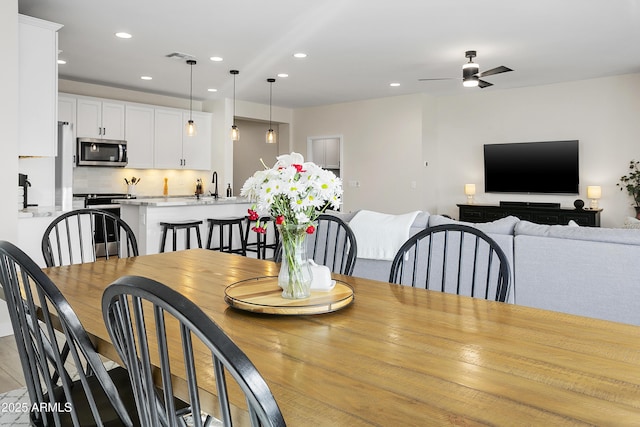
(61,61)
(123,35)
(283,75)
(212,90)
(394,84)
(216,58)
(300,55)
(146,77)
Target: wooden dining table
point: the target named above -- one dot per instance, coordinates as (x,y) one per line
(397,356)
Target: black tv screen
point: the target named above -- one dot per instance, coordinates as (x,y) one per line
(532,167)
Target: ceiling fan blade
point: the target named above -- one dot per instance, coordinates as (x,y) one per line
(443,78)
(482,84)
(497,70)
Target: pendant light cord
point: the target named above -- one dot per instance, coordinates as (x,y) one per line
(191,63)
(270,96)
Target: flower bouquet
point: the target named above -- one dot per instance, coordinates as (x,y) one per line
(294,193)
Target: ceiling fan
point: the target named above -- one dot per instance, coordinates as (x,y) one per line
(471,72)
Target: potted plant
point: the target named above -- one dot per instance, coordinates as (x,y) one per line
(631,183)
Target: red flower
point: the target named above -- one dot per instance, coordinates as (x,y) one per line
(298,168)
(310,229)
(279,219)
(253,215)
(259,229)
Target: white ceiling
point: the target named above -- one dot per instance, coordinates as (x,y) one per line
(355,48)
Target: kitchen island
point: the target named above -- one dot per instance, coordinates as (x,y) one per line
(144,215)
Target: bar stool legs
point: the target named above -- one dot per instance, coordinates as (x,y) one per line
(180,225)
(262,242)
(227,223)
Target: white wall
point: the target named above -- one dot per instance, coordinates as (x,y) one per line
(387,142)
(601,113)
(382,150)
(249,150)
(8,131)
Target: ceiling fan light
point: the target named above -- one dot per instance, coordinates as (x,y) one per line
(469,71)
(470,82)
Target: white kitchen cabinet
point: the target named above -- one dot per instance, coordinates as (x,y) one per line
(196,150)
(37,86)
(325,152)
(139,134)
(67,109)
(97,118)
(168,139)
(173,148)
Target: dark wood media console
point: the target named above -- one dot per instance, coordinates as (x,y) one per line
(540,213)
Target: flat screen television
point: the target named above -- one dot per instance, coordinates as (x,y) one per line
(532,167)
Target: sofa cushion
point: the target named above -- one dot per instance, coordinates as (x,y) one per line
(631,222)
(592,234)
(578,276)
(499,226)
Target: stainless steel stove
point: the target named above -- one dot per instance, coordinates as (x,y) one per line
(107,202)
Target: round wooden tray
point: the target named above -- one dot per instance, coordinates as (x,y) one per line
(263,295)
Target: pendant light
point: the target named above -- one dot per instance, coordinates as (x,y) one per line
(235,132)
(271,137)
(191,126)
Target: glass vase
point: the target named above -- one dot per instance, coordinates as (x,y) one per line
(295,272)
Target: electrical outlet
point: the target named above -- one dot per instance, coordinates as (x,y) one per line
(354,184)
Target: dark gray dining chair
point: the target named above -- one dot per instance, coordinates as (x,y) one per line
(63,373)
(85,235)
(140,315)
(453,258)
(333,244)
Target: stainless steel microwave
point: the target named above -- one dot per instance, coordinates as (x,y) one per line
(101,152)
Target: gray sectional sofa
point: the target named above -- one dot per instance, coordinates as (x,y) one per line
(593,272)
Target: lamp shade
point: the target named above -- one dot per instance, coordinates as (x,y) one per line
(594,192)
(469,189)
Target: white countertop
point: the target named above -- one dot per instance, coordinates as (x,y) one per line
(182,201)
(40,211)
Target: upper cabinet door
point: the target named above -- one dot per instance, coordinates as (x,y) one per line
(139,133)
(332,153)
(196,150)
(37,87)
(89,118)
(113,120)
(325,152)
(100,119)
(317,152)
(168,139)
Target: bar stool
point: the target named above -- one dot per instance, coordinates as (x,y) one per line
(221,223)
(260,245)
(180,225)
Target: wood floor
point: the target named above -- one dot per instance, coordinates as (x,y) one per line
(11,376)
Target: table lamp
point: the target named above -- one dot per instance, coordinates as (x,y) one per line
(594,192)
(470,191)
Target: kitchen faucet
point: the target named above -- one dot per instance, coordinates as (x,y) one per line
(214,180)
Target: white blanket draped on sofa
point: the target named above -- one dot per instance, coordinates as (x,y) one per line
(379,235)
